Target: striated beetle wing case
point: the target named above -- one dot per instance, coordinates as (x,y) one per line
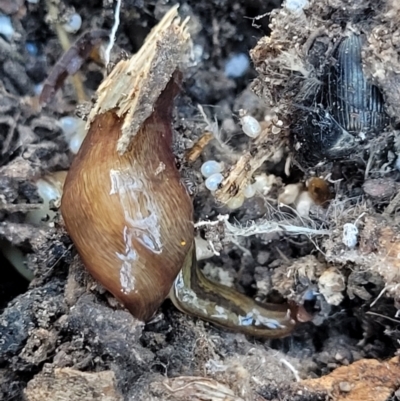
(345,111)
(355,103)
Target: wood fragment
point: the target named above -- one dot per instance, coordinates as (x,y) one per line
(267,146)
(195,151)
(134,85)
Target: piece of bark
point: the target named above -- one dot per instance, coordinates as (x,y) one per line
(366,380)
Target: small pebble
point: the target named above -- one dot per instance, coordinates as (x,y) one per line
(251,127)
(380,188)
(237,65)
(73,24)
(345,387)
(350,235)
(6,28)
(210,167)
(203,250)
(212,182)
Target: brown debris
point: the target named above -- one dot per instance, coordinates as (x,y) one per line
(194,152)
(268,146)
(380,188)
(331,284)
(366,380)
(73,385)
(378,250)
(57,323)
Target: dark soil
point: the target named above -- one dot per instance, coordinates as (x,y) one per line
(63,319)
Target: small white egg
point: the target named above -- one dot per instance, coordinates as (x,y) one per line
(75,143)
(213,181)
(69,125)
(237,65)
(249,191)
(73,24)
(210,167)
(74,131)
(251,127)
(289,194)
(236,202)
(304,203)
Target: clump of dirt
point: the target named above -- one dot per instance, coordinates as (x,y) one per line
(337,258)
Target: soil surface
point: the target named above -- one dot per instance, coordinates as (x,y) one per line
(63,335)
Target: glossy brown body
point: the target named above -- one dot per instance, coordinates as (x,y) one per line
(129,216)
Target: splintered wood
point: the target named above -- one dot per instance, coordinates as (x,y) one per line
(134,85)
(268,146)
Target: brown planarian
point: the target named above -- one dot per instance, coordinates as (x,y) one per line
(131,220)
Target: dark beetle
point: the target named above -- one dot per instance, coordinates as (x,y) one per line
(347,108)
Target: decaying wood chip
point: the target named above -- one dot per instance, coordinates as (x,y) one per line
(73,385)
(366,380)
(134,85)
(194,152)
(268,146)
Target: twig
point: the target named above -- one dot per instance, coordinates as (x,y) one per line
(380,295)
(383,316)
